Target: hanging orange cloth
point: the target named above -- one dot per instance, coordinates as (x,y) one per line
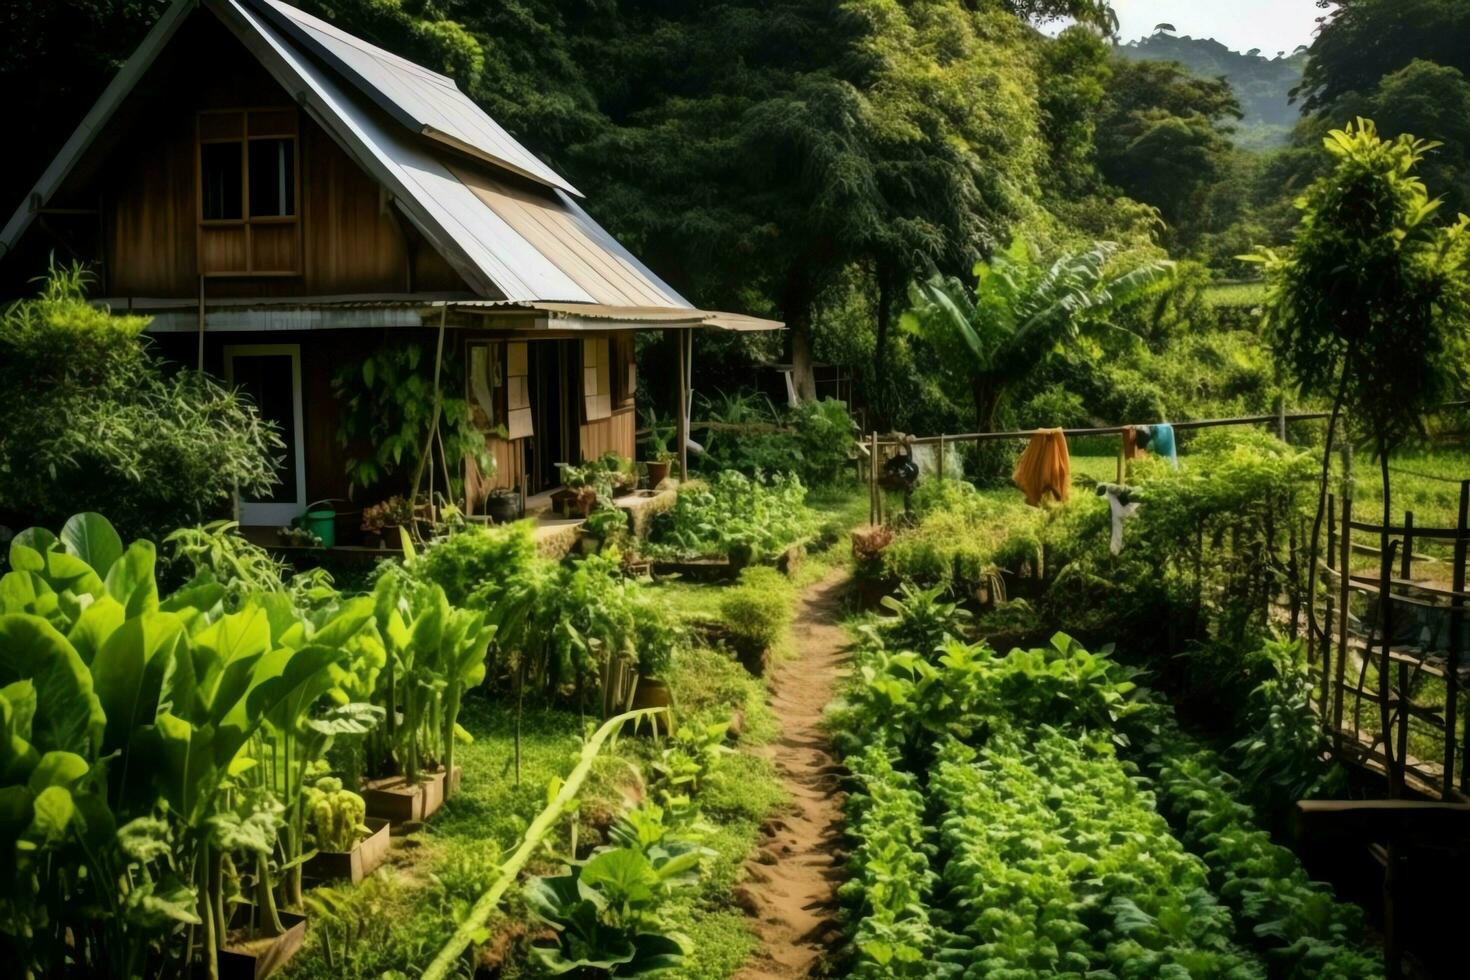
(1131,449)
(1045,467)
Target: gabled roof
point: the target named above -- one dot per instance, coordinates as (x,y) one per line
(503,219)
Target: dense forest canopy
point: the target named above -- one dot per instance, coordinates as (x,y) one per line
(1262,84)
(811,160)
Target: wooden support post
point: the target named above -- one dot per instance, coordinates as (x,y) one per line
(1452,680)
(1406,566)
(1281,417)
(1345,567)
(941,456)
(873,480)
(682,428)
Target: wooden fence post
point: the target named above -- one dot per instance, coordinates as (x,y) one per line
(1345,567)
(873,480)
(941,455)
(1452,677)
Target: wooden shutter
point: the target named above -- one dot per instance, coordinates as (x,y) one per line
(596,379)
(624,369)
(517,391)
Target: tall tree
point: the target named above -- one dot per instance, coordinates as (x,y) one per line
(1363,40)
(1163,137)
(1369,305)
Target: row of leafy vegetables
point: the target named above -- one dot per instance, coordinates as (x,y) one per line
(1040,813)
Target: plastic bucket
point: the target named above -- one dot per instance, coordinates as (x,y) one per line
(322,521)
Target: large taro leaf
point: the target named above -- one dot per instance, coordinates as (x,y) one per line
(128,674)
(130,579)
(225,655)
(92,628)
(17,755)
(622,876)
(91,538)
(654,952)
(27,592)
(69,715)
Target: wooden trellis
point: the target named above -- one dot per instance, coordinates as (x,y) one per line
(1374,677)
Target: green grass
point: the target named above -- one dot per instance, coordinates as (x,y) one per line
(410,906)
(1235,294)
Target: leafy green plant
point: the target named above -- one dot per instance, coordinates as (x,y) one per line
(606,916)
(183,698)
(1021,310)
(1305,931)
(921,620)
(334,816)
(388,405)
(217,548)
(892,878)
(757,610)
(733,515)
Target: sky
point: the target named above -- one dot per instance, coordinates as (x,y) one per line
(1271,25)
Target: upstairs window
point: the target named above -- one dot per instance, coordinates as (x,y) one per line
(249,191)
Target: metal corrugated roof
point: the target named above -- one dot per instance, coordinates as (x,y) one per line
(425,101)
(495,256)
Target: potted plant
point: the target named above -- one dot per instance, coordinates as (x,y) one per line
(655,638)
(603,524)
(381,521)
(503,504)
(348,843)
(658,434)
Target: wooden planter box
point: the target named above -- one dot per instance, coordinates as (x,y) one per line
(258,958)
(393,799)
(356,864)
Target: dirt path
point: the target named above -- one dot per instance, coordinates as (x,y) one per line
(791,891)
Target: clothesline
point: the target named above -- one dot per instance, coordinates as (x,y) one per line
(1107,430)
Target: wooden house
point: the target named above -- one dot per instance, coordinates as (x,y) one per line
(281,197)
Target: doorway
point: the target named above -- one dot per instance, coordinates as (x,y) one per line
(271,375)
(553,407)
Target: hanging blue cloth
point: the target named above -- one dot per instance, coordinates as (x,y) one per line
(1161,442)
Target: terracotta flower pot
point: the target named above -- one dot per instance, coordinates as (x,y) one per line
(658,473)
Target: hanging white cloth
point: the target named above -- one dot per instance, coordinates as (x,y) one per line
(1120,512)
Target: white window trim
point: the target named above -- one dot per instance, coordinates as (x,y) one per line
(258,514)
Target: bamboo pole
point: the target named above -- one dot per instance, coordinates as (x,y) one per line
(418,473)
(1114,430)
(1345,557)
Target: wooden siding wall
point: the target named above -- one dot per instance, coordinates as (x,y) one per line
(353,242)
(615,433)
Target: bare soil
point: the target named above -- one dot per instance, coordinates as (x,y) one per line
(790,892)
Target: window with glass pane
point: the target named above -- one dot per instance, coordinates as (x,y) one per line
(272,178)
(220,173)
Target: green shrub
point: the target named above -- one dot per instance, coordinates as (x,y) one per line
(758,609)
(961,539)
(94,422)
(734,516)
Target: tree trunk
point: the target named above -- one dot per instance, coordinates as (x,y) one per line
(880,399)
(797,307)
(986,391)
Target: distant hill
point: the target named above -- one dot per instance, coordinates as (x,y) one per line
(1262,84)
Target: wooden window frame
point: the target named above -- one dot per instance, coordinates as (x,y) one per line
(246,222)
(623,370)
